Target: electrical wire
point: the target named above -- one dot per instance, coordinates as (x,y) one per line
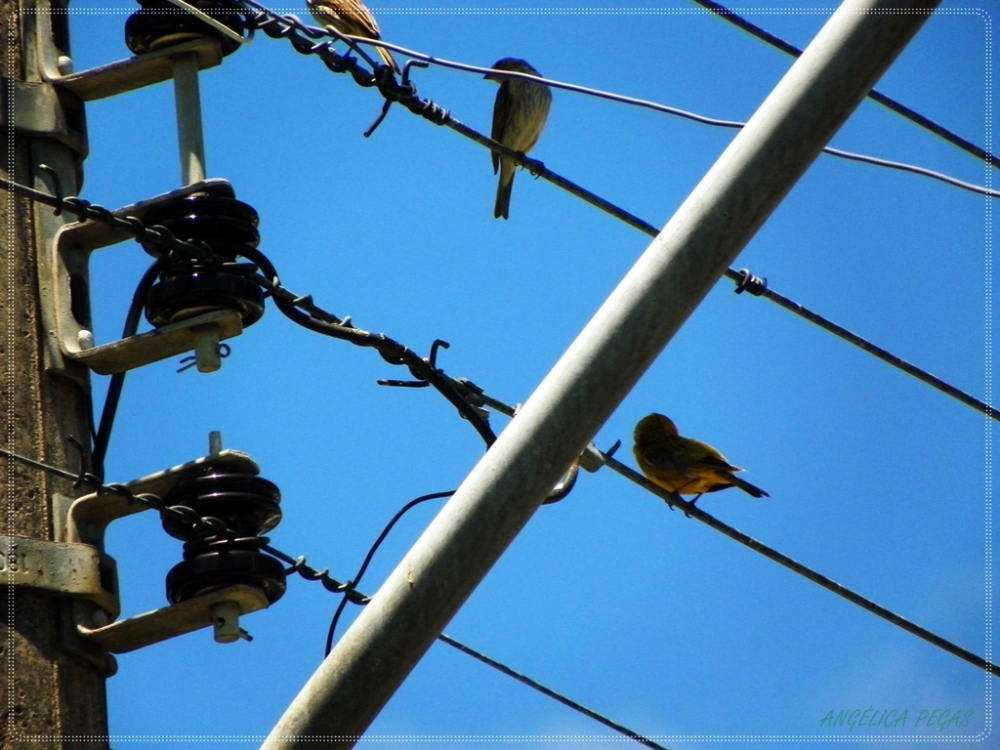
(299,566)
(267,20)
(278,26)
(503,668)
(747,282)
(300,309)
(888,102)
(117,382)
(314,317)
(351,584)
(691,510)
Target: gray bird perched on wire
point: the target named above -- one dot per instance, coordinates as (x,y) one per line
(350,17)
(519,116)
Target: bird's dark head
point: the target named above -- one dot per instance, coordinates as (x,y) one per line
(512,64)
(654,424)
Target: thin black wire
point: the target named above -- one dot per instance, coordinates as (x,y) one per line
(550,693)
(694,511)
(351,584)
(747,282)
(897,107)
(298,564)
(117,382)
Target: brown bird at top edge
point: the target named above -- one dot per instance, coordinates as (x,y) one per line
(350,17)
(682,465)
(519,116)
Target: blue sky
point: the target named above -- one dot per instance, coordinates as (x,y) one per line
(876,480)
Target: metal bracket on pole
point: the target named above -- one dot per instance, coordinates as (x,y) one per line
(65,274)
(178,619)
(135,72)
(85,519)
(82,523)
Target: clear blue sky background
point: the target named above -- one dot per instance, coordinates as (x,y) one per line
(877,481)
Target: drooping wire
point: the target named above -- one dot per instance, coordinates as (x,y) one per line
(293,29)
(117,382)
(298,564)
(352,584)
(888,102)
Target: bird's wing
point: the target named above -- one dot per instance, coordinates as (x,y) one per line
(502,111)
(710,458)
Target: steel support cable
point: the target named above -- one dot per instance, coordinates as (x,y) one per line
(897,107)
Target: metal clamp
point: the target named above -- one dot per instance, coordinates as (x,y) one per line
(41,110)
(67,570)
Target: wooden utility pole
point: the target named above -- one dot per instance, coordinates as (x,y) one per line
(53,689)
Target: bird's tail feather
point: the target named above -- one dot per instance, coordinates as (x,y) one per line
(504,188)
(747,487)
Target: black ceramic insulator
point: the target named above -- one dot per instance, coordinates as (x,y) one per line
(161,24)
(209,567)
(248,505)
(189,286)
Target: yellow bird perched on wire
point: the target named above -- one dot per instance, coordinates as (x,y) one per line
(683,465)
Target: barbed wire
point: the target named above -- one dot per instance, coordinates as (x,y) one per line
(300,309)
(301,36)
(188,517)
(691,510)
(303,310)
(886,101)
(286,27)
